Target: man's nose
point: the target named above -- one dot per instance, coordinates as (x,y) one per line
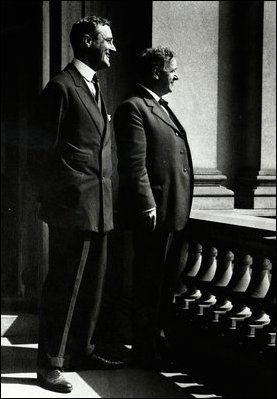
(112,47)
(176,77)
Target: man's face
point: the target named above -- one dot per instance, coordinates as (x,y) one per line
(168,75)
(102,48)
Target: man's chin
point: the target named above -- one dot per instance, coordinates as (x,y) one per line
(106,62)
(104,65)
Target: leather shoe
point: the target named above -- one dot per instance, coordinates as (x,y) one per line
(99,362)
(53,380)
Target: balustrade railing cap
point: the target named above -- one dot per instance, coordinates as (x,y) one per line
(235,219)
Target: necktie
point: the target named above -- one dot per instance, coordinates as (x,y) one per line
(171,115)
(163,102)
(95,82)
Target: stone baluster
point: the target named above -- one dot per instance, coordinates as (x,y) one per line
(205,277)
(238,285)
(270,298)
(256,292)
(220,282)
(270,308)
(194,261)
(180,286)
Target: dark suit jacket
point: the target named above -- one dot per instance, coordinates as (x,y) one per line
(70,155)
(154,163)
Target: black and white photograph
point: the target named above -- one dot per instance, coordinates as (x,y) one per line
(138,199)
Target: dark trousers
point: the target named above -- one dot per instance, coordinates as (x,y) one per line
(155,271)
(65,251)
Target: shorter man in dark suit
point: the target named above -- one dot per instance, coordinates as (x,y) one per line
(155,196)
(70,161)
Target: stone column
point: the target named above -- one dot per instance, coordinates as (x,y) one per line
(70,12)
(256,178)
(36,239)
(191,30)
(265,193)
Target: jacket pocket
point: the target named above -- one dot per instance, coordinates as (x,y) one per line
(71,152)
(76,160)
(83,158)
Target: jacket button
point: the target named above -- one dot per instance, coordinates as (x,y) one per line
(185,170)
(182,152)
(176,134)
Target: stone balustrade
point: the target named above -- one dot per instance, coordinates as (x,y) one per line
(228,277)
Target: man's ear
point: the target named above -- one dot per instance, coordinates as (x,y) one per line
(87,40)
(156,72)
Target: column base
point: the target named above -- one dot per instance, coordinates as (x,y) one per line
(209,193)
(256,191)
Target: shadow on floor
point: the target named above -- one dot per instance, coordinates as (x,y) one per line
(15,359)
(126,383)
(137,383)
(19,380)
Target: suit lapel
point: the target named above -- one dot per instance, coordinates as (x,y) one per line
(86,98)
(105,117)
(158,111)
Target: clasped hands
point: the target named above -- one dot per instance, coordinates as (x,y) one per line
(148,220)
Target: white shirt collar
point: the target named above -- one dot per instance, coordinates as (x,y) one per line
(84,69)
(156,97)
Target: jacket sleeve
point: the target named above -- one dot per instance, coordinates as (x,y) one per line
(131,152)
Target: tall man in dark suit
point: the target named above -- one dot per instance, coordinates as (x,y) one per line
(155,196)
(70,158)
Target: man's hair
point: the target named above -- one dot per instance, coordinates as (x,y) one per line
(151,58)
(87,25)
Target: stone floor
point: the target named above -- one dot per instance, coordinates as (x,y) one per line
(18,379)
